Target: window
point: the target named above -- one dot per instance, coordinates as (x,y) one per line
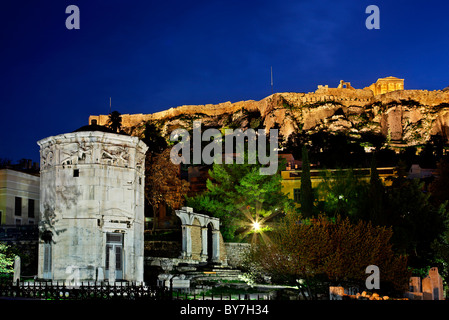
(18,222)
(297,195)
(76,173)
(30,208)
(18,206)
(114,238)
(295,174)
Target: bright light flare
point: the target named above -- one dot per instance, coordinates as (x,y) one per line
(256,226)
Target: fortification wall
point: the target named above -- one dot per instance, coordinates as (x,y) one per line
(344,96)
(129,120)
(424,97)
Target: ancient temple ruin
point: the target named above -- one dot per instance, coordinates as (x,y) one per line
(388,84)
(201,238)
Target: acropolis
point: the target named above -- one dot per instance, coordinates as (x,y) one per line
(383,90)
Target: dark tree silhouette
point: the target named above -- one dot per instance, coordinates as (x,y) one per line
(154,139)
(306,195)
(115,121)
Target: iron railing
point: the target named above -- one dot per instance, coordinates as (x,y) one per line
(19,232)
(103,291)
(83,291)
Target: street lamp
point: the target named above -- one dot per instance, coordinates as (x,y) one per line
(256,226)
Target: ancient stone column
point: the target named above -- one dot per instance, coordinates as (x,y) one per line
(204,244)
(215,245)
(186,242)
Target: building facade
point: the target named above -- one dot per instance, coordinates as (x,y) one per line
(92,206)
(19,198)
(291,179)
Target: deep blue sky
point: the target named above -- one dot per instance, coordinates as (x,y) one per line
(153,55)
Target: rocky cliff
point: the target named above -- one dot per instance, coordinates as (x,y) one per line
(404,116)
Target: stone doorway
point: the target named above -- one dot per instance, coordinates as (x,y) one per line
(114,245)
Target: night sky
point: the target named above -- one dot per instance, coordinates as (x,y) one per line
(152,55)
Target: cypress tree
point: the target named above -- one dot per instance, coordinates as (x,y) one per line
(376,194)
(306,195)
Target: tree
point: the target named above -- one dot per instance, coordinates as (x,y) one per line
(153,138)
(377,140)
(5,163)
(329,149)
(163,183)
(376,192)
(6,259)
(416,222)
(440,185)
(418,225)
(115,121)
(432,152)
(439,196)
(306,195)
(408,156)
(330,252)
(344,194)
(240,196)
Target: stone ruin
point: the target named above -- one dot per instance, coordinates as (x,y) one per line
(430,288)
(344,85)
(201,237)
(203,253)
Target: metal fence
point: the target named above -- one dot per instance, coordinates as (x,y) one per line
(105,291)
(83,291)
(19,232)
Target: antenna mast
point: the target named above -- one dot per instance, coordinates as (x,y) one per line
(271,79)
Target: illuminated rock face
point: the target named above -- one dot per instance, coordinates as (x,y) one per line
(92,206)
(410,116)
